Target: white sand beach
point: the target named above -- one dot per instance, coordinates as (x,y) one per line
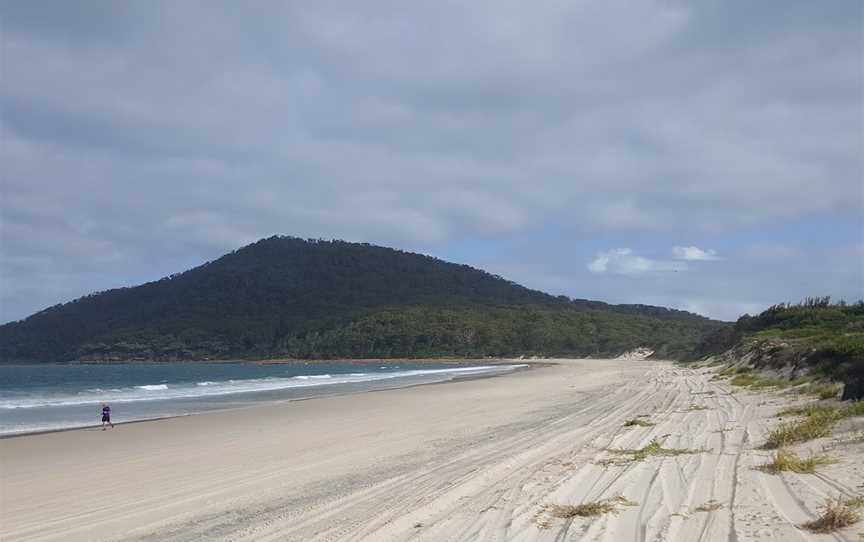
(477,460)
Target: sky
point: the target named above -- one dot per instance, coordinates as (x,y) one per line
(702,155)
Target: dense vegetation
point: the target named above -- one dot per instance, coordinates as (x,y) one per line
(288,297)
(472,331)
(816,335)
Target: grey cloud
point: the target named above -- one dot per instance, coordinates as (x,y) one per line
(695,254)
(87,24)
(184,129)
(623,261)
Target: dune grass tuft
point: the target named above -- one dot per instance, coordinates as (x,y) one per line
(732,371)
(785,460)
(808,410)
(757,381)
(709,506)
(655,448)
(823,390)
(588,509)
(638,422)
(810,428)
(837,513)
(855,408)
(818,422)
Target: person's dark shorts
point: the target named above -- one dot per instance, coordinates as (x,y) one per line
(106,419)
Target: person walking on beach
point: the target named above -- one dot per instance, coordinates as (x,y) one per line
(106,416)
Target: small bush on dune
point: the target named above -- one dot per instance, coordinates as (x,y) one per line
(837,513)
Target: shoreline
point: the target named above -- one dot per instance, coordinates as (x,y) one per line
(264,403)
(287,361)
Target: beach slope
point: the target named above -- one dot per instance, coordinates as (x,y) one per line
(475,460)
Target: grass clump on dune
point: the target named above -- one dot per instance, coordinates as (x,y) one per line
(818,422)
(588,509)
(813,427)
(785,460)
(837,513)
(655,448)
(709,506)
(638,422)
(855,408)
(747,379)
(732,371)
(757,381)
(823,390)
(808,410)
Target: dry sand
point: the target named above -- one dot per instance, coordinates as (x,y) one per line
(464,461)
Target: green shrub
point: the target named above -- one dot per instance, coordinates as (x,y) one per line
(851,345)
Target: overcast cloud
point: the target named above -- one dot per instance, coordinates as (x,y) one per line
(720,142)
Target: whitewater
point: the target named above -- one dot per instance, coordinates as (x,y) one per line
(52,397)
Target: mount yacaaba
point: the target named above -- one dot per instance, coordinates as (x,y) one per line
(284,297)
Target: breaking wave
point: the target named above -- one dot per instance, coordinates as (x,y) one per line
(169,391)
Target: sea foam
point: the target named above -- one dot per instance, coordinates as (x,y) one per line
(203,389)
(153,387)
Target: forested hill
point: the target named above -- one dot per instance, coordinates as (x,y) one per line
(288,297)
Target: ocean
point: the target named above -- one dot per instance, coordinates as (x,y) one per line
(48,397)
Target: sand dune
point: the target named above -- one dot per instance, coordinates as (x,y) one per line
(465,461)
